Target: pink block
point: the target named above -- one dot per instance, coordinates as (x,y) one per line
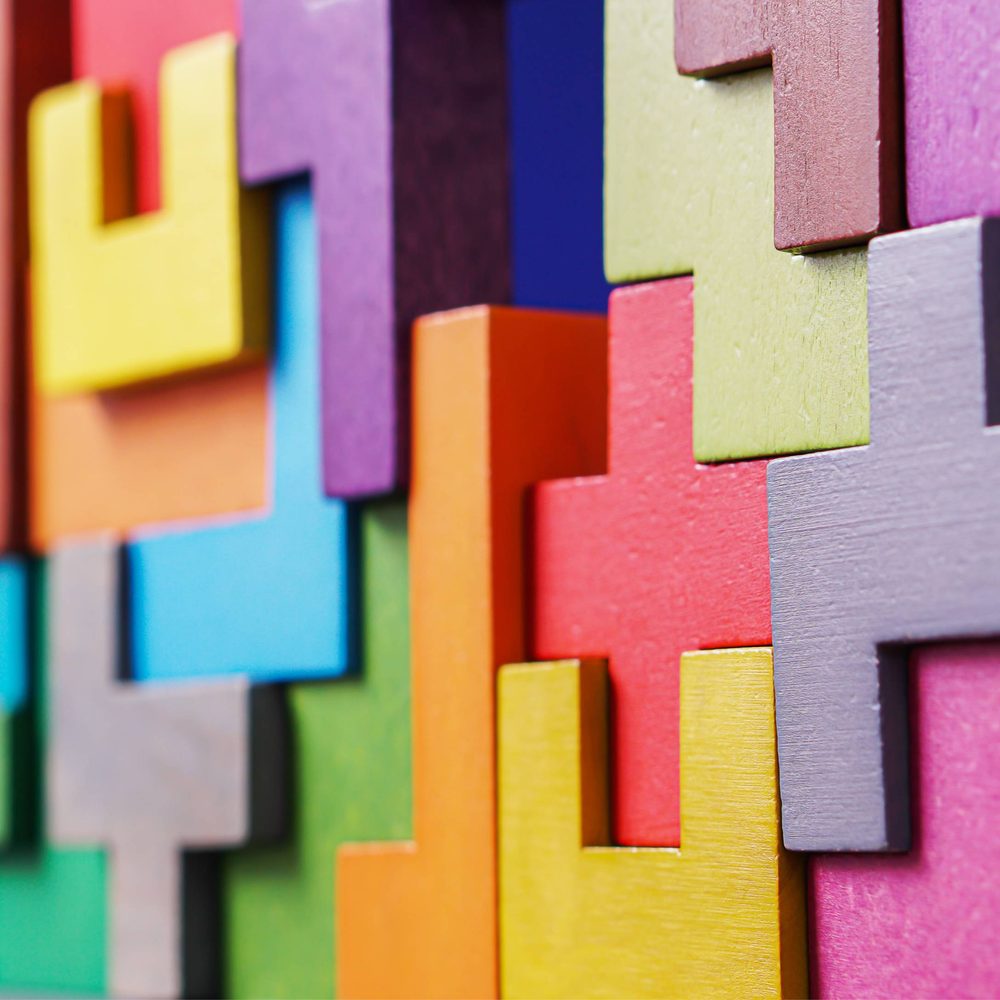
(927,923)
(952,74)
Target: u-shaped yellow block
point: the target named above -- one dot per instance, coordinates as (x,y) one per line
(152,295)
(723,915)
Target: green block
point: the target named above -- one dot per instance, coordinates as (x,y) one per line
(352,783)
(780,342)
(52,902)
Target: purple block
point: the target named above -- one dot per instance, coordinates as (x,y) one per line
(952,75)
(398,110)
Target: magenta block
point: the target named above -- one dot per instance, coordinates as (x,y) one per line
(397,109)
(927,923)
(952,74)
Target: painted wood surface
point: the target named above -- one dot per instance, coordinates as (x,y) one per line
(722,916)
(118,303)
(779,351)
(352,779)
(18,770)
(877,548)
(397,108)
(952,78)
(272,596)
(924,924)
(838,175)
(502,399)
(207,761)
(657,557)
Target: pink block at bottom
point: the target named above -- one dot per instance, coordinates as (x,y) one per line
(926,924)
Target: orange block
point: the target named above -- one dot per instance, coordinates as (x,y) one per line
(503,398)
(114,461)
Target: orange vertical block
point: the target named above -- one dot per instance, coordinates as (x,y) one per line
(503,398)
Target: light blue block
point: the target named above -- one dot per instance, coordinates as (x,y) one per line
(13,634)
(268,596)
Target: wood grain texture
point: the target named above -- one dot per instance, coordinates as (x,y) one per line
(34,56)
(876,548)
(657,557)
(502,399)
(157,294)
(779,352)
(352,754)
(837,106)
(121,43)
(952,78)
(924,924)
(722,916)
(397,107)
(206,761)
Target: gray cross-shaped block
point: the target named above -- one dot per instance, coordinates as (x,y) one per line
(153,773)
(877,548)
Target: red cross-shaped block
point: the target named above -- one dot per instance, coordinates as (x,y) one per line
(660,556)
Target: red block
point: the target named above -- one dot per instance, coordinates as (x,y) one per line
(121,43)
(660,556)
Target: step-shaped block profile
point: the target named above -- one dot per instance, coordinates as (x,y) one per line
(837,124)
(722,916)
(780,362)
(116,299)
(657,557)
(952,77)
(925,924)
(159,776)
(398,110)
(122,42)
(502,398)
(876,548)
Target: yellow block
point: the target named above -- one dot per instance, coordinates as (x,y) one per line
(723,915)
(780,347)
(151,295)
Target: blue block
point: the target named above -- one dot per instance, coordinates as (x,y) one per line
(13,634)
(555,54)
(269,596)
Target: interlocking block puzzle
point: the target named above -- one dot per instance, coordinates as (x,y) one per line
(352,777)
(722,916)
(952,118)
(924,924)
(118,300)
(408,153)
(34,56)
(271,595)
(152,773)
(502,398)
(837,106)
(877,548)
(122,42)
(779,351)
(660,556)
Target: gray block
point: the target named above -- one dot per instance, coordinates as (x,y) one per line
(874,549)
(153,773)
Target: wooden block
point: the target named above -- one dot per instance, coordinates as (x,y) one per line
(780,363)
(120,43)
(204,598)
(352,760)
(205,761)
(34,55)
(722,916)
(158,294)
(924,924)
(952,118)
(18,815)
(837,106)
(502,399)
(407,150)
(659,556)
(875,548)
